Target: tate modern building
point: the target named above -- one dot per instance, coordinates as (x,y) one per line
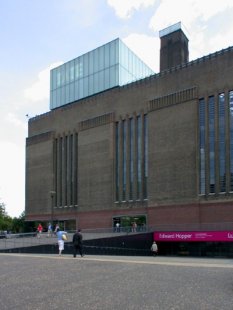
(123,144)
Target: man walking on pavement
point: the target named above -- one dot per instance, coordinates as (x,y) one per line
(78,243)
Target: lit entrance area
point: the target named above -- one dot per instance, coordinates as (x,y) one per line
(124,223)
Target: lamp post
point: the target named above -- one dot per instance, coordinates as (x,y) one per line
(52,194)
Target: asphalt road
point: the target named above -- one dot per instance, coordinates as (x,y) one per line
(35,282)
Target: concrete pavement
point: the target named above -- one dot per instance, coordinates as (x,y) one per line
(36,282)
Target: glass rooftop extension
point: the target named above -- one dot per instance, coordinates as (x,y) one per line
(107,66)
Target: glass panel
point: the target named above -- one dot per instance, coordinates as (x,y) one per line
(80,87)
(101,58)
(91,85)
(77,90)
(71,71)
(112,53)
(58,102)
(54,77)
(106,55)
(67,93)
(67,68)
(96,83)
(71,92)
(101,80)
(63,75)
(107,78)
(63,95)
(85,87)
(91,63)
(113,76)
(95,60)
(58,77)
(85,62)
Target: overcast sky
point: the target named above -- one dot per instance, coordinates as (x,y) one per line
(37,35)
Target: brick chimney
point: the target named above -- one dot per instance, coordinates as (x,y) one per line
(173,46)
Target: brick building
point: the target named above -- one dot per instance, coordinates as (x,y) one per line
(123,144)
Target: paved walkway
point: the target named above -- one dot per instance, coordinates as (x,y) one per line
(16,242)
(36,282)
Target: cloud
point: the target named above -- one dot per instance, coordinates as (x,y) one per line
(12,184)
(125,8)
(188,11)
(146,48)
(197,16)
(39,90)
(13,119)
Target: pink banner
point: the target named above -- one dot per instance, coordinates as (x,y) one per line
(190,236)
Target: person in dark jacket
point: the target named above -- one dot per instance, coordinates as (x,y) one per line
(78,243)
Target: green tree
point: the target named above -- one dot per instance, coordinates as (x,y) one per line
(5,219)
(19,225)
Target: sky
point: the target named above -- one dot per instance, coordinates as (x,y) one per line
(38,35)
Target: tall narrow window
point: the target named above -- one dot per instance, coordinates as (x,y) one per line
(75,169)
(139,171)
(117,161)
(65,169)
(131,159)
(124,124)
(222,145)
(202,146)
(131,154)
(71,169)
(60,170)
(145,157)
(211,144)
(231,138)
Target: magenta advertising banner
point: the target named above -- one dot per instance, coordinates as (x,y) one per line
(190,236)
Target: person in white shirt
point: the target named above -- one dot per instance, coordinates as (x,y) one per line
(154,249)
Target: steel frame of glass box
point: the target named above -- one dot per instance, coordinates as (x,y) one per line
(105,67)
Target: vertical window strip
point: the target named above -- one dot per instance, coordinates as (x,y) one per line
(211,145)
(231,137)
(202,150)
(124,124)
(222,144)
(65,169)
(71,169)
(131,154)
(117,161)
(75,164)
(60,170)
(139,172)
(55,171)
(145,156)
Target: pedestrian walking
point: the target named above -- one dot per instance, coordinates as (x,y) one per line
(154,249)
(117,227)
(78,243)
(61,237)
(50,230)
(39,230)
